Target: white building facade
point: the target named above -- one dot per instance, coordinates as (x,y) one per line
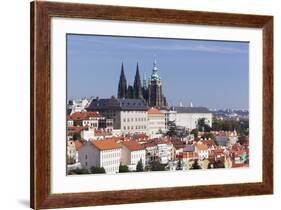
(202,151)
(188,117)
(131,154)
(101,153)
(156,123)
(159,150)
(129,115)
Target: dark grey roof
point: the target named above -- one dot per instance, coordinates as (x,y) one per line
(189,148)
(221,140)
(118,104)
(191,109)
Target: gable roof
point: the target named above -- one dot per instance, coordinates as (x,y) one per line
(106,144)
(132,145)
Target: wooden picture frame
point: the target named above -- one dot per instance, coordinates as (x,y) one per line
(41,14)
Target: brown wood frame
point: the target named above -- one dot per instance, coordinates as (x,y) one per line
(41,14)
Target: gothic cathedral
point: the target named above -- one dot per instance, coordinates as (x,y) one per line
(150,90)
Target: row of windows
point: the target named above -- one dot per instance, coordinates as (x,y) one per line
(140,119)
(135,112)
(136,127)
(110,162)
(112,169)
(136,156)
(157,123)
(110,155)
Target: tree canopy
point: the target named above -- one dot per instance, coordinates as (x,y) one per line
(97,170)
(123,168)
(140,166)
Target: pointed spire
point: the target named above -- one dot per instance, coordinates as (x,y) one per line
(137,84)
(122,86)
(155,75)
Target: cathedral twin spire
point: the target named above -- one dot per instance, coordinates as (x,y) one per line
(137,84)
(130,91)
(122,86)
(151,91)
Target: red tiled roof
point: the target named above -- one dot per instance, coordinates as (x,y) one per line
(106,144)
(201,146)
(103,132)
(154,111)
(189,155)
(83,115)
(209,143)
(132,145)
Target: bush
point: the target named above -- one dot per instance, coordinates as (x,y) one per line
(195,165)
(78,171)
(157,166)
(123,169)
(179,164)
(97,170)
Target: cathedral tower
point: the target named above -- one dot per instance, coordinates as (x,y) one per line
(122,86)
(137,85)
(155,95)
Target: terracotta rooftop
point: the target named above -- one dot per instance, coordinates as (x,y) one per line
(103,132)
(83,115)
(106,144)
(132,145)
(154,111)
(189,155)
(209,143)
(201,146)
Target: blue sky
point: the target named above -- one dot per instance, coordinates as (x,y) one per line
(213,74)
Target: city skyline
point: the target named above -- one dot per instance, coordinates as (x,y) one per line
(220,82)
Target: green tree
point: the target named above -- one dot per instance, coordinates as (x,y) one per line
(172,131)
(157,166)
(219,164)
(179,164)
(140,166)
(123,168)
(76,136)
(217,125)
(195,133)
(78,171)
(195,165)
(97,170)
(208,135)
(202,126)
(242,140)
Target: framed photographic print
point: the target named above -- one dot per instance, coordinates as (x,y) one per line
(134,105)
